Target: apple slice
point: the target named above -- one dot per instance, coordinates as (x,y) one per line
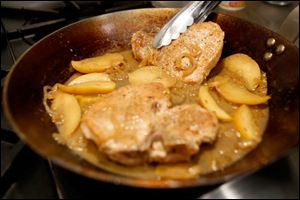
(66,113)
(245,124)
(91,87)
(86,100)
(237,94)
(99,63)
(210,104)
(90,77)
(74,76)
(150,74)
(244,68)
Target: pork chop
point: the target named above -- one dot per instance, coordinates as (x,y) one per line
(135,125)
(181,130)
(121,122)
(190,57)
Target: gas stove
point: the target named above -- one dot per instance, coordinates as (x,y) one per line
(24,174)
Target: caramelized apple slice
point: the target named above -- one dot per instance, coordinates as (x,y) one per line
(99,63)
(89,77)
(244,68)
(210,104)
(237,94)
(66,113)
(74,76)
(150,74)
(245,124)
(91,87)
(86,100)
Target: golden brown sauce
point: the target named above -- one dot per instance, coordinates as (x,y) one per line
(228,148)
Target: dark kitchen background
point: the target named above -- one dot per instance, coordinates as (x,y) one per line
(24,174)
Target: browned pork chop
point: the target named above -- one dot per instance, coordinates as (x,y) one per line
(181,130)
(121,123)
(134,125)
(190,57)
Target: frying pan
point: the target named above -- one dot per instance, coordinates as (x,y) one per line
(47,62)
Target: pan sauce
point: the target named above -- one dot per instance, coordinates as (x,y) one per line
(228,147)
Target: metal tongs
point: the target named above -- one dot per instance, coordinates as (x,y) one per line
(195,11)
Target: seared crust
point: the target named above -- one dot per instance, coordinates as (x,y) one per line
(182,130)
(135,125)
(121,122)
(190,57)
